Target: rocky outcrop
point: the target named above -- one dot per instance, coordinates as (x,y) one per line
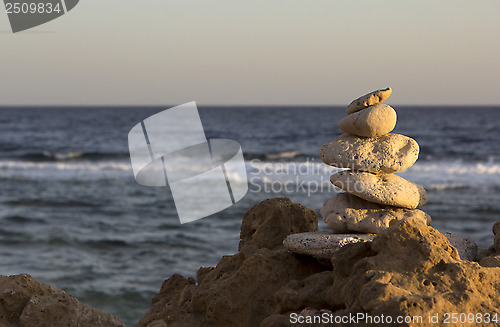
(26,302)
(406,270)
(240,290)
(409,269)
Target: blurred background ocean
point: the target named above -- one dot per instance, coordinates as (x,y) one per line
(71,213)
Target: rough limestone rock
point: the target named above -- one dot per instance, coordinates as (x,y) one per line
(15,292)
(368,100)
(268,223)
(466,247)
(384,189)
(322,245)
(240,290)
(25,302)
(372,122)
(410,269)
(311,293)
(62,310)
(345,213)
(383,155)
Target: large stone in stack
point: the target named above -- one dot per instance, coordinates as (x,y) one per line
(387,154)
(346,212)
(374,197)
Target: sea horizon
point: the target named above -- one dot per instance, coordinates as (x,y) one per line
(70,206)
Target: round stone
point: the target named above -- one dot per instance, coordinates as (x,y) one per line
(371,122)
(368,100)
(385,189)
(346,213)
(383,155)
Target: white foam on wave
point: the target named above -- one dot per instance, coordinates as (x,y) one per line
(434,175)
(457,167)
(63,156)
(458,174)
(64,170)
(445,186)
(282,155)
(82,165)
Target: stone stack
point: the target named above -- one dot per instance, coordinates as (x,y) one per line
(374,197)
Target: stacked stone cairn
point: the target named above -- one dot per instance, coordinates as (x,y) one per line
(373,198)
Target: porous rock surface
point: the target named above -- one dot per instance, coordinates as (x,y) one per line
(383,155)
(26,302)
(383,189)
(345,213)
(322,245)
(409,269)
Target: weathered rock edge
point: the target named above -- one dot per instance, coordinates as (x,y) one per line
(26,302)
(409,269)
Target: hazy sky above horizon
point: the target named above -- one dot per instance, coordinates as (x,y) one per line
(255,52)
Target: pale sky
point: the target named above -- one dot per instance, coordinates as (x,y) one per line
(162,52)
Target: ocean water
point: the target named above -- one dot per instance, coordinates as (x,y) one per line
(71,213)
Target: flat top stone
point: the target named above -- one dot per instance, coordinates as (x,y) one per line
(368,100)
(383,155)
(385,189)
(322,244)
